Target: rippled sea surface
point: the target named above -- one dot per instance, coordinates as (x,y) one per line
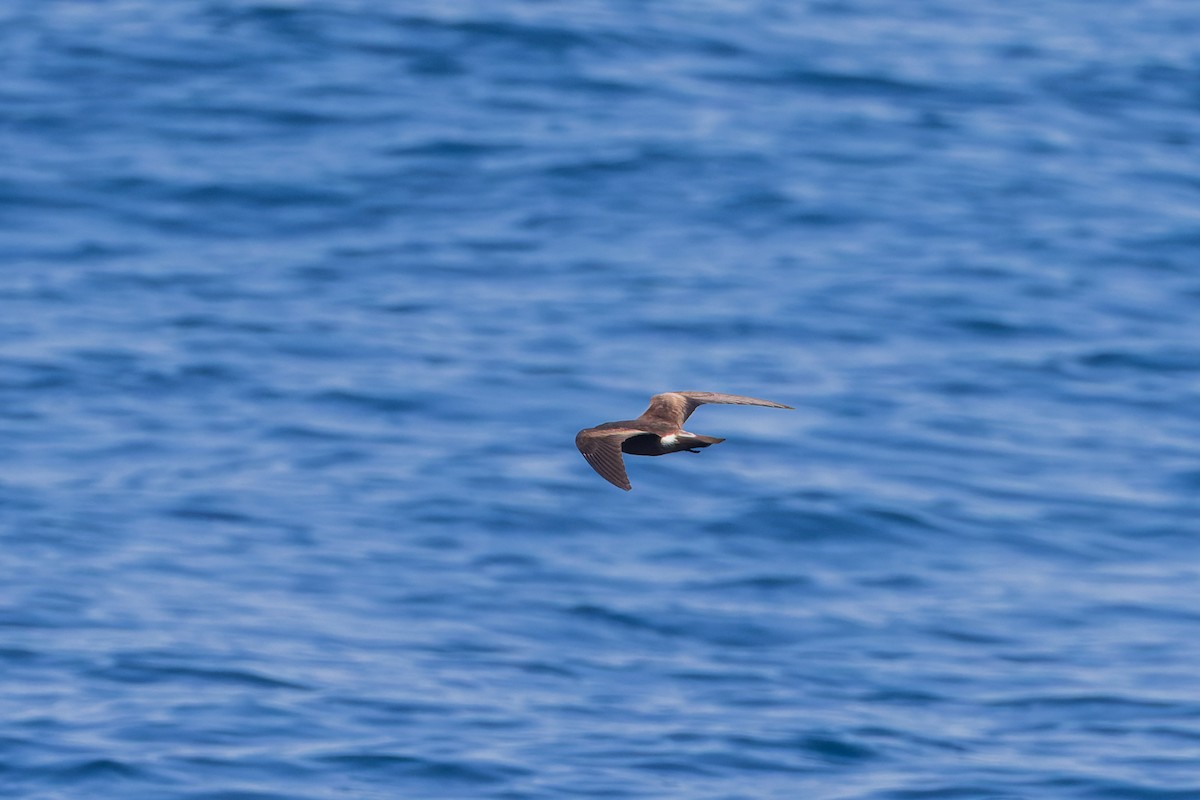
(302,304)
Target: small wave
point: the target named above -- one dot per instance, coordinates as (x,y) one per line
(209,513)
(99,768)
(388,404)
(1162,360)
(126,670)
(439,771)
(825,748)
(607,615)
(1097,701)
(828,81)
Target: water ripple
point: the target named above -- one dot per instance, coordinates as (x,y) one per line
(304,302)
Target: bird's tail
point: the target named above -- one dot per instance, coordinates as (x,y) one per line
(696,440)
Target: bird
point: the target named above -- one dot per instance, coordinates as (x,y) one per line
(658,431)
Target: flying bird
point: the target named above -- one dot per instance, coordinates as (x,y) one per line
(658,431)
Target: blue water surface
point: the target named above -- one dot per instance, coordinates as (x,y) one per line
(303,301)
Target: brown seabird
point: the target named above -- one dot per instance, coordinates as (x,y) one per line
(658,431)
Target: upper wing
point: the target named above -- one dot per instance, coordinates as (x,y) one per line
(602,449)
(676,407)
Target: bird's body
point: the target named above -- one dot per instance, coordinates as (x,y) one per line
(658,431)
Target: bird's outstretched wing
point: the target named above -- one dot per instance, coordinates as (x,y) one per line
(676,407)
(602,449)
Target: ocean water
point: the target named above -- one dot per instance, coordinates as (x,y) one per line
(303,301)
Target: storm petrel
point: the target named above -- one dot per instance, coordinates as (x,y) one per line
(658,431)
